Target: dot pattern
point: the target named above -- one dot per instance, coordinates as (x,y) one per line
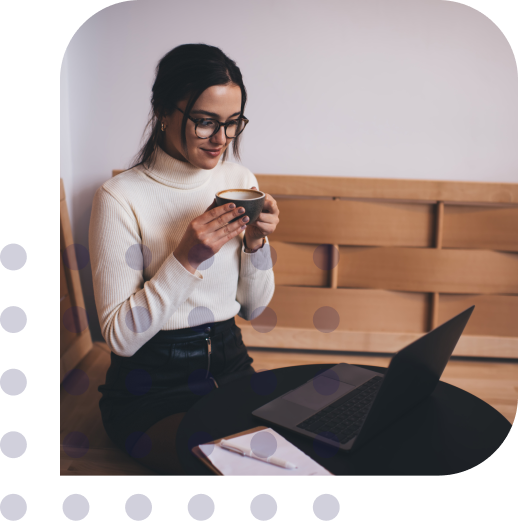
(76,257)
(263,444)
(326,257)
(13,257)
(197,257)
(326,319)
(76,382)
(263,319)
(200,318)
(13,382)
(138,319)
(75,319)
(13,319)
(138,257)
(264,258)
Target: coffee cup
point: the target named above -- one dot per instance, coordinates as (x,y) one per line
(251,200)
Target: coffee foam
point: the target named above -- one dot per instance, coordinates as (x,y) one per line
(236,194)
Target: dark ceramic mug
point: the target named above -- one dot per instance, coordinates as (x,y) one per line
(251,200)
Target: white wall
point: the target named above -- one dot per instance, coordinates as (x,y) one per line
(421,89)
(66,171)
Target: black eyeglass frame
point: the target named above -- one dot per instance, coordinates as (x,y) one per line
(197,121)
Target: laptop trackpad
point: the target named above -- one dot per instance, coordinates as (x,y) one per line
(318,392)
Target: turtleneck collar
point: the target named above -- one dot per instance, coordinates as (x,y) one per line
(177,174)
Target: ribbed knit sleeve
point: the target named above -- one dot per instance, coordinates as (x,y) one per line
(256,282)
(131,311)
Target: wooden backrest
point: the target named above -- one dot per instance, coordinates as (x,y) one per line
(411,254)
(75,337)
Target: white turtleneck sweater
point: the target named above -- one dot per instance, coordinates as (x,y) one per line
(147,210)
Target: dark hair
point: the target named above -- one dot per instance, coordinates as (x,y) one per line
(185,72)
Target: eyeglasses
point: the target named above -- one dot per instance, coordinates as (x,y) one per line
(206,128)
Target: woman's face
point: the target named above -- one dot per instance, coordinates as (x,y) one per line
(220,102)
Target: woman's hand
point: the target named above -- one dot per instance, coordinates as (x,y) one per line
(206,234)
(266,223)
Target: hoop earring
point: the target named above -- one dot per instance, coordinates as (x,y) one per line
(163,127)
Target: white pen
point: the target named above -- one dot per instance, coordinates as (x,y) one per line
(224,444)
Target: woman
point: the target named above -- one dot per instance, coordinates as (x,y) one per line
(170,271)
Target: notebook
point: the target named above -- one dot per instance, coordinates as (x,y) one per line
(227,463)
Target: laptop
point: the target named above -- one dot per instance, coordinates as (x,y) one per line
(345,406)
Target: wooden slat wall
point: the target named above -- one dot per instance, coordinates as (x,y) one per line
(385,189)
(402,269)
(428,269)
(359,309)
(355,223)
(494,315)
(479,227)
(412,254)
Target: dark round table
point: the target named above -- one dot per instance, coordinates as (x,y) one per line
(449,432)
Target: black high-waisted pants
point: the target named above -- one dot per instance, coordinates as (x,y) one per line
(167,375)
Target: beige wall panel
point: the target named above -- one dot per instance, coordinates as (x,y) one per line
(355,223)
(481,227)
(429,270)
(494,315)
(359,310)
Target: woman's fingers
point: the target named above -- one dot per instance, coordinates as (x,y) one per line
(229,233)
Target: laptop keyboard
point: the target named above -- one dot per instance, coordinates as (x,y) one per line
(342,419)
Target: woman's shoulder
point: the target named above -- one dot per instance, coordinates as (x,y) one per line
(123,181)
(121,186)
